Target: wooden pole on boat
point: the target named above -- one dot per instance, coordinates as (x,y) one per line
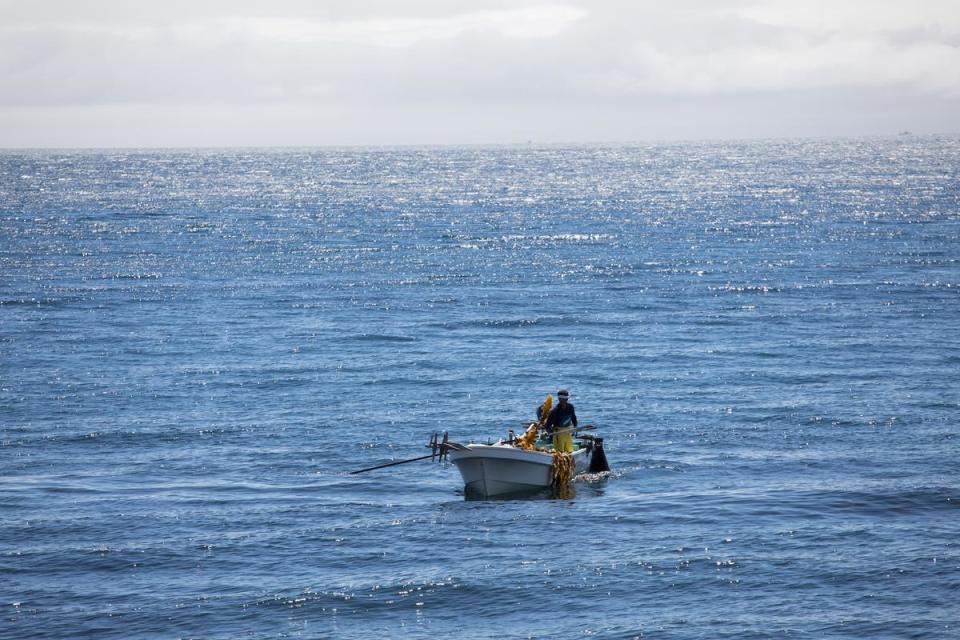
(437,449)
(395,463)
(586,427)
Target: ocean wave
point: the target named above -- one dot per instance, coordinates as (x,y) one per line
(911,501)
(532,239)
(380,337)
(539,321)
(40,302)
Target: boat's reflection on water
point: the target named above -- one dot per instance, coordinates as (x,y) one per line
(585,486)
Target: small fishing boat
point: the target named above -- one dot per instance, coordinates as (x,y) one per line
(529,462)
(504,467)
(519,464)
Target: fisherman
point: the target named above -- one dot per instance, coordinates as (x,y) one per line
(563,417)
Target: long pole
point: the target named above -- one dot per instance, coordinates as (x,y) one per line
(586,427)
(392,464)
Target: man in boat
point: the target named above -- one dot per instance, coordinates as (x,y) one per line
(562,417)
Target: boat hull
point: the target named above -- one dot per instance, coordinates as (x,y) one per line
(491,470)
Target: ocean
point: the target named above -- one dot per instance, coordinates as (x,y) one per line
(198,346)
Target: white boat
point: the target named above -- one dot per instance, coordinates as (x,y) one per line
(501,468)
(512,466)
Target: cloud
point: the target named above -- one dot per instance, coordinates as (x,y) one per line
(529,22)
(710,49)
(430,63)
(243,58)
(878,17)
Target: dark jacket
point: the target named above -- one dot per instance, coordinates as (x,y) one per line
(561,417)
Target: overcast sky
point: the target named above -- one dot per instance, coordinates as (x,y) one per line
(286,72)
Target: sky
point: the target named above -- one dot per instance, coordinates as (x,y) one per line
(195,73)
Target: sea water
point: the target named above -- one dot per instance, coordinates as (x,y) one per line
(197,346)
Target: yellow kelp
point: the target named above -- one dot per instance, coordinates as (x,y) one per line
(545,411)
(563,466)
(562,469)
(529,438)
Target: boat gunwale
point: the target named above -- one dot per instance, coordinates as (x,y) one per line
(504,451)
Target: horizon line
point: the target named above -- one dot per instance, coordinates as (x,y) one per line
(905,134)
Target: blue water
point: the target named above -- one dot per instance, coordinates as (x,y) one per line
(197,346)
